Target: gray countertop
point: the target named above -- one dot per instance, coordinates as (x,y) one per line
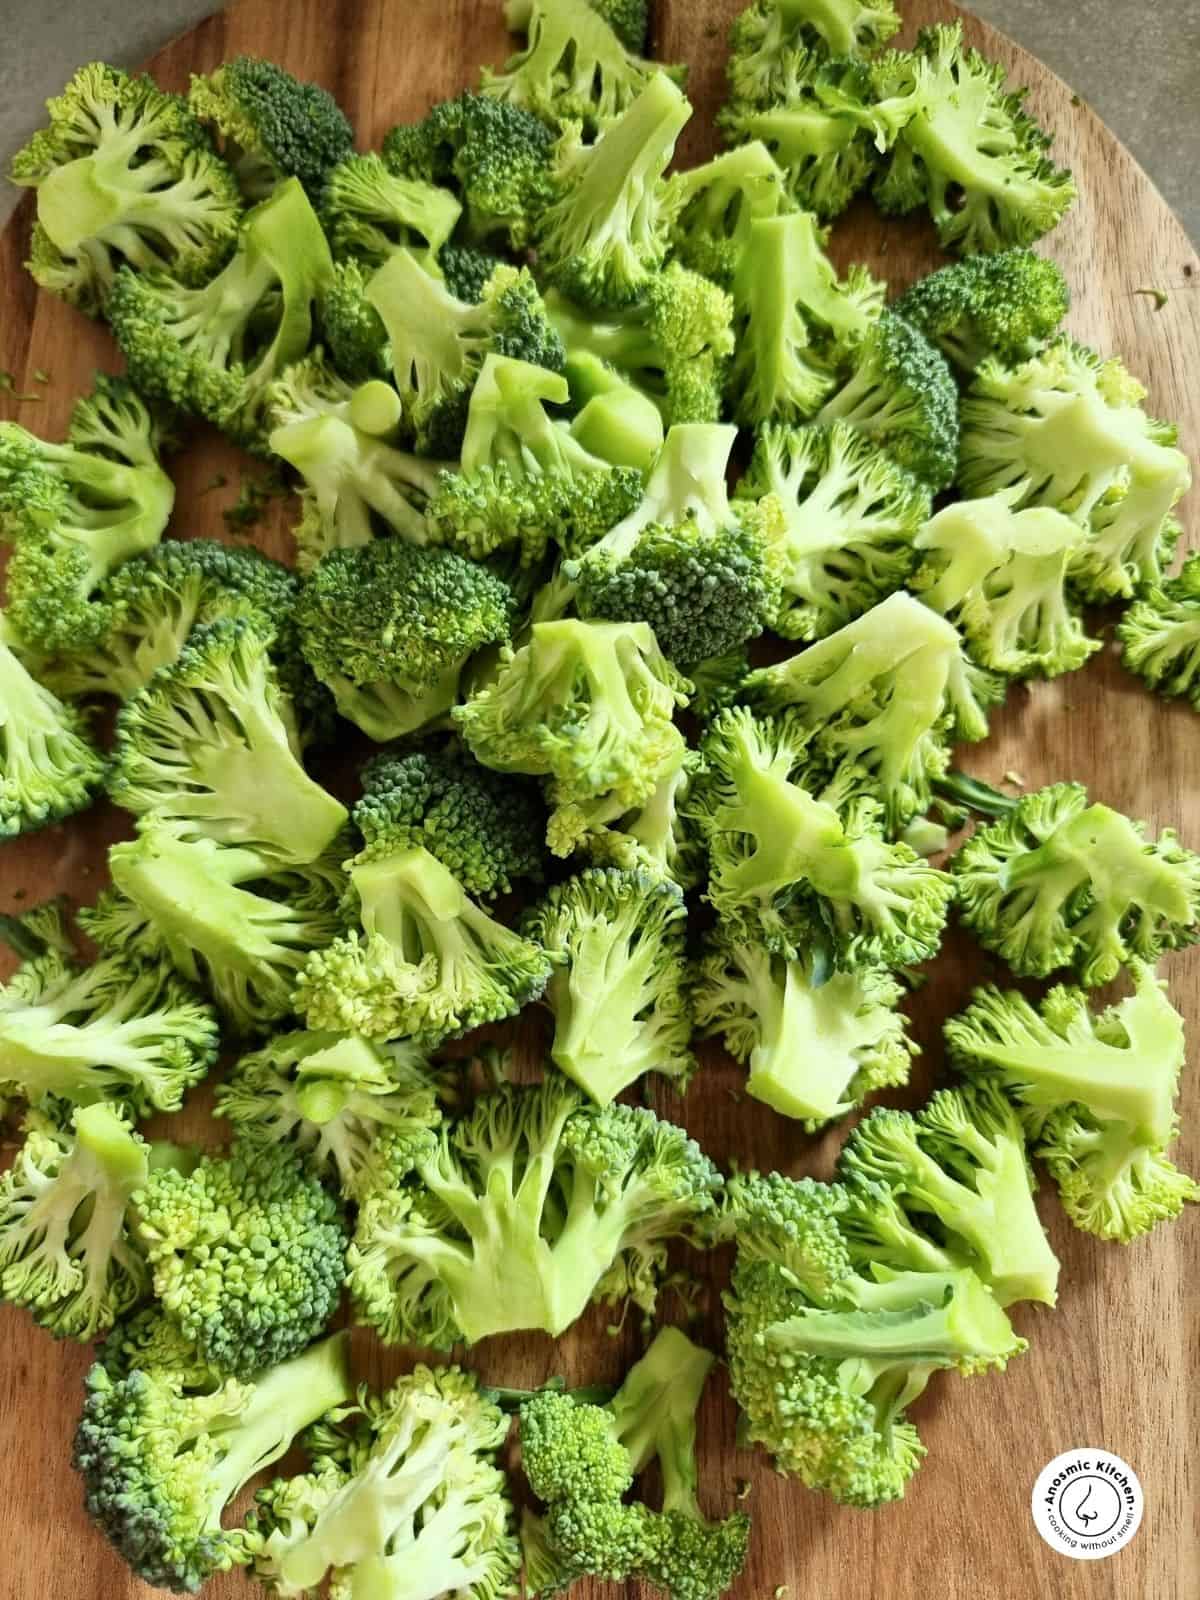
(1138,66)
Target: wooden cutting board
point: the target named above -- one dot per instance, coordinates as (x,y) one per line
(1116,1365)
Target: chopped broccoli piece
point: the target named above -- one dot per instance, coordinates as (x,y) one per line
(768,33)
(1003,308)
(712,206)
(368,211)
(617,421)
(1160,635)
(467,270)
(655,837)
(717,682)
(629,19)
(353,334)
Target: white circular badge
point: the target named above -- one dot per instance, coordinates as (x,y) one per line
(1087,1504)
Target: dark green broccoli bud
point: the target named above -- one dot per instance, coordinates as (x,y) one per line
(628,19)
(1004,308)
(1160,635)
(124,1028)
(1068,430)
(271,125)
(215,350)
(767,34)
(1059,882)
(403,1494)
(73,512)
(354,335)
(211,745)
(617,994)
(903,397)
(473,1238)
(712,206)
(816,1042)
(493,155)
(964,146)
(467,271)
(162,1453)
(604,235)
(850,517)
(488,829)
(1096,1094)
(388,627)
(124,174)
(368,211)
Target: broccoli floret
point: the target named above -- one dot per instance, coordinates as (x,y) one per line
(618,992)
(1068,430)
(1160,635)
(851,516)
(816,1042)
(712,206)
(123,1029)
(403,1497)
(124,174)
(493,155)
(580,1458)
(965,147)
(272,126)
(655,837)
(73,512)
(605,233)
(149,1340)
(528,1208)
(225,916)
(49,767)
(487,829)
(784,864)
(368,211)
(164,1449)
(1004,308)
(629,19)
(65,1250)
(769,32)
(389,626)
(1096,1094)
(353,334)
(216,350)
(717,682)
(1059,883)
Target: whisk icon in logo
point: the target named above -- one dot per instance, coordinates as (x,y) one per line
(1087,1504)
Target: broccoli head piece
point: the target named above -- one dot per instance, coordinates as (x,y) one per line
(618,992)
(1004,308)
(1068,430)
(851,515)
(785,865)
(768,33)
(816,1042)
(124,174)
(272,126)
(581,1459)
(65,1250)
(1096,1094)
(216,350)
(329,1096)
(389,626)
(1160,635)
(488,830)
(522,1212)
(965,147)
(351,331)
(73,512)
(712,206)
(123,1029)
(655,837)
(1061,883)
(403,1497)
(369,211)
(163,1449)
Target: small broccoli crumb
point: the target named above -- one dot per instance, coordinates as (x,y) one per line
(1015,778)
(217,481)
(39,376)
(1159,296)
(254,496)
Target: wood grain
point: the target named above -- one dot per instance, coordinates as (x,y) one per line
(1116,1365)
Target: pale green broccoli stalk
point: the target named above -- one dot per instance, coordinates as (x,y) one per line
(816,1042)
(123,1029)
(216,350)
(1096,1093)
(851,517)
(368,211)
(420,959)
(618,992)
(165,1448)
(882,699)
(964,146)
(655,837)
(768,32)
(73,512)
(785,865)
(712,206)
(66,1254)
(124,174)
(1160,635)
(522,1212)
(1003,308)
(272,126)
(1061,883)
(1068,430)
(961,1162)
(796,324)
(616,421)
(403,1497)
(605,233)
(1000,576)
